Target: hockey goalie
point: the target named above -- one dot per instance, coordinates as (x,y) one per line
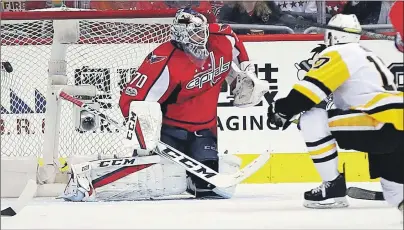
(172,98)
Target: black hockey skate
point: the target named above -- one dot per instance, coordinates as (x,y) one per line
(330,194)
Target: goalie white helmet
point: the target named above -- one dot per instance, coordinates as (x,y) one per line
(190,32)
(346,21)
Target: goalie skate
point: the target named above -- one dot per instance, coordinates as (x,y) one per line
(330,194)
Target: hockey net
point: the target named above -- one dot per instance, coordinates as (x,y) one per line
(111,45)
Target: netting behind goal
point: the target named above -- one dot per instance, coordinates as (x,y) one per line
(106,55)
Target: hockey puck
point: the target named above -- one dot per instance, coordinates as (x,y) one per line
(8,212)
(7,66)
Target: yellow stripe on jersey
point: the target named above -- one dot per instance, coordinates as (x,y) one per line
(393,116)
(361,120)
(323,150)
(386,108)
(330,69)
(382,96)
(308,93)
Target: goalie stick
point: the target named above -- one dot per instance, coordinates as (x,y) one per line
(364,194)
(188,163)
(26,196)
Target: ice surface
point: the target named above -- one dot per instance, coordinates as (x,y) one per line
(265,206)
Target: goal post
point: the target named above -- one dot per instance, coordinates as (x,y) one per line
(91,55)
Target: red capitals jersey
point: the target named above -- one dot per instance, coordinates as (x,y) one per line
(396,17)
(188,93)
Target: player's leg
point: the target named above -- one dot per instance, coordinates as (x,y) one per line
(382,142)
(203,148)
(322,148)
(389,168)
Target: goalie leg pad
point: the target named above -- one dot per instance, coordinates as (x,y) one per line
(131,179)
(79,187)
(143,127)
(143,182)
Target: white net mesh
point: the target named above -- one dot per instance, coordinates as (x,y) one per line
(105,56)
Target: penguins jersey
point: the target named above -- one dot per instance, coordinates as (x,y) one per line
(357,79)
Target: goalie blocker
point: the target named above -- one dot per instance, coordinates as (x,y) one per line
(140,174)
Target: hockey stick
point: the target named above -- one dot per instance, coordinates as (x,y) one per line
(26,196)
(364,194)
(188,163)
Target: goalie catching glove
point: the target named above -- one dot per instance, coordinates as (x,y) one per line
(248,89)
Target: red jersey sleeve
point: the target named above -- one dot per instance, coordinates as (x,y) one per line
(151,82)
(239,51)
(396,17)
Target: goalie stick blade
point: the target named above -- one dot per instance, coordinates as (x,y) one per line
(364,194)
(26,196)
(8,212)
(251,168)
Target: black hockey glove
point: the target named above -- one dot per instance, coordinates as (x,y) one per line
(277,119)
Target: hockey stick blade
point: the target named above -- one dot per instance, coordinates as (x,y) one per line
(364,194)
(251,168)
(189,164)
(26,196)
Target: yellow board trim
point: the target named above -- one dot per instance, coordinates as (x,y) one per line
(298,167)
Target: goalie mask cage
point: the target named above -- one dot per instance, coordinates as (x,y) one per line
(89,54)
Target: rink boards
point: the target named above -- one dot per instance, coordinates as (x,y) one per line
(245,132)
